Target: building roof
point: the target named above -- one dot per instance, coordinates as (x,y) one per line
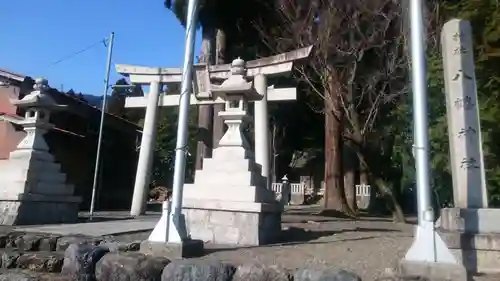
(70,98)
(12,75)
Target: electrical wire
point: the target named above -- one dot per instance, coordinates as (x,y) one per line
(72,55)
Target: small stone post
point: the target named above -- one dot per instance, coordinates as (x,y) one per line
(285,191)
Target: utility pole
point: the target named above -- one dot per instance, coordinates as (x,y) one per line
(427,247)
(103,113)
(176,225)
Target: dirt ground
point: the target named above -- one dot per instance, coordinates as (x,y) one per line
(367,246)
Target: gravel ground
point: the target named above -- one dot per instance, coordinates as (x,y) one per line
(366,246)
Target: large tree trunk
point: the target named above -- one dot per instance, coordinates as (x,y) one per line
(349,167)
(335,198)
(391,202)
(218,123)
(205,129)
(385,191)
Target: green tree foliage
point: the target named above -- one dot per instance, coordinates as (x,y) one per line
(116,104)
(485,18)
(166,138)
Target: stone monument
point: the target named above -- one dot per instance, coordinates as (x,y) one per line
(229,202)
(34,190)
(470,229)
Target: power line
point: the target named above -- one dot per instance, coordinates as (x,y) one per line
(72,55)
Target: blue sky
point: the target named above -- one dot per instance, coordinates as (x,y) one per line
(37,33)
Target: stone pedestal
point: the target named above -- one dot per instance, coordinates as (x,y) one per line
(227,204)
(33,189)
(473,236)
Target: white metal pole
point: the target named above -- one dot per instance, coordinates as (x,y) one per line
(176,229)
(427,245)
(101,125)
(419,87)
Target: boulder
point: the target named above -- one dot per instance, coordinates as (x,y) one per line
(49,242)
(64,242)
(41,262)
(11,238)
(116,246)
(324,275)
(80,260)
(17,276)
(261,273)
(130,266)
(9,258)
(28,242)
(181,270)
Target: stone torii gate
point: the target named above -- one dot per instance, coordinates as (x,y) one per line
(259,70)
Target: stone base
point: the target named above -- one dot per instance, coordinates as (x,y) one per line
(479,253)
(470,220)
(171,251)
(33,209)
(235,223)
(297,199)
(432,271)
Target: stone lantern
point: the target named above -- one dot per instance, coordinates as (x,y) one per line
(237,92)
(33,190)
(38,106)
(229,202)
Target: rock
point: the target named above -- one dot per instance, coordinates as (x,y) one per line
(261,273)
(3,240)
(115,246)
(64,242)
(28,242)
(11,238)
(324,275)
(41,262)
(191,270)
(9,258)
(17,277)
(130,267)
(80,260)
(49,243)
(134,246)
(121,246)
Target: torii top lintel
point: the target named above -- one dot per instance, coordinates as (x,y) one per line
(273,65)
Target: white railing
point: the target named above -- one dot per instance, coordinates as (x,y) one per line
(295,188)
(276,187)
(363,190)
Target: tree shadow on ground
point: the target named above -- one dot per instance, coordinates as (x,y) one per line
(296,236)
(330,215)
(301,235)
(87,219)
